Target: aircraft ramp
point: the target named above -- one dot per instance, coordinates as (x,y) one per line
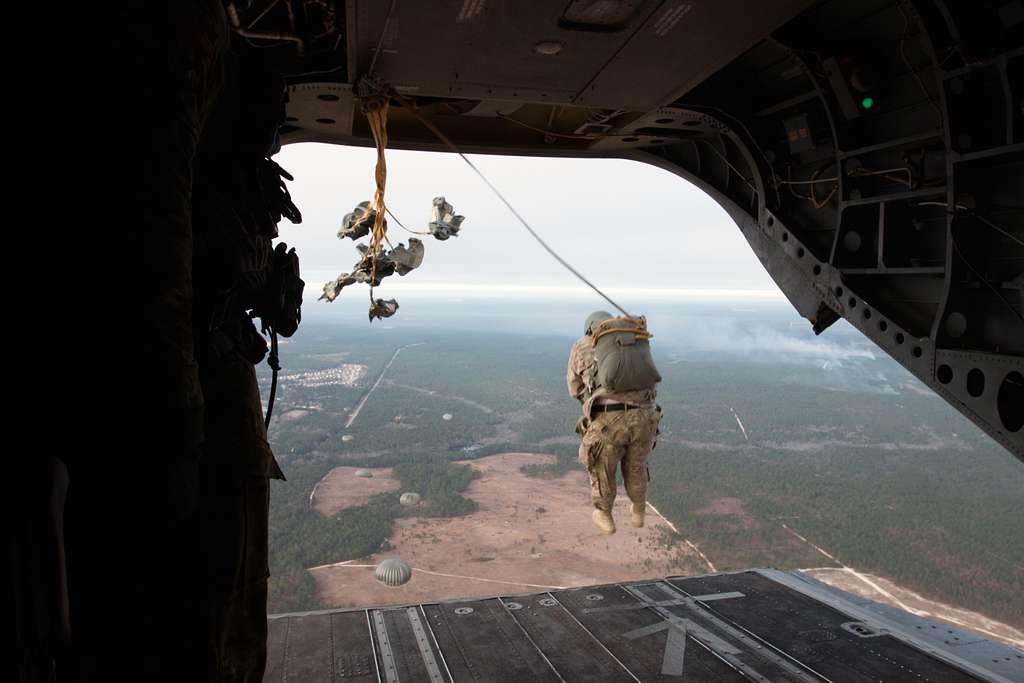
(760,625)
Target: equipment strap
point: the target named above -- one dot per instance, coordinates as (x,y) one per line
(639,330)
(275,367)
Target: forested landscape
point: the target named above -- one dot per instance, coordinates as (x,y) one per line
(838,444)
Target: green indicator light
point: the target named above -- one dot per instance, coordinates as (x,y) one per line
(867,102)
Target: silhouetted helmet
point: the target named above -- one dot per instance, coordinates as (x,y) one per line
(595,317)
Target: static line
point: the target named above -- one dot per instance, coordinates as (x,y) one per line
(451,145)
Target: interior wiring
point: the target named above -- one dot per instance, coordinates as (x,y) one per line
(913,69)
(983,279)
(728,163)
(973,214)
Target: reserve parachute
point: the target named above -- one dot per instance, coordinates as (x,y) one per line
(622,354)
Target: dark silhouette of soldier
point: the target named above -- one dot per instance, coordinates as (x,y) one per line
(239,197)
(132,442)
(163,457)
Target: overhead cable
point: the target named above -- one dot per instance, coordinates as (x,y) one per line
(451,145)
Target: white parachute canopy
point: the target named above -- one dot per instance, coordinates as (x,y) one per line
(393,572)
(446,416)
(347,438)
(409,498)
(365,474)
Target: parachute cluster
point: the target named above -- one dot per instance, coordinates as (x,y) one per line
(372,267)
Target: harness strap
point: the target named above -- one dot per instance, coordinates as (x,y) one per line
(275,367)
(639,329)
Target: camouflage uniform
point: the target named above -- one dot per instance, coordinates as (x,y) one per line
(233,254)
(613,437)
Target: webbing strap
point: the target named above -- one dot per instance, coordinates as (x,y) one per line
(275,367)
(639,330)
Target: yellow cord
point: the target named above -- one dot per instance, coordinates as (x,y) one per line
(377,116)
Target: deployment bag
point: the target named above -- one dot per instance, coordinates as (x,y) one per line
(622,355)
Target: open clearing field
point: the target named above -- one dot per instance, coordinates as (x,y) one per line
(527,535)
(341,489)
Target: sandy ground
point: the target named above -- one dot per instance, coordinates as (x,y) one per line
(341,489)
(885,591)
(531,535)
(528,535)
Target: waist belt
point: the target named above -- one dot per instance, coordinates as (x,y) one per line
(611,407)
(608,408)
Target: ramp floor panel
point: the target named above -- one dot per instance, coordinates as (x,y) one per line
(756,625)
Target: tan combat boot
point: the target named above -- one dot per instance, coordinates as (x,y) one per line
(637,514)
(603,521)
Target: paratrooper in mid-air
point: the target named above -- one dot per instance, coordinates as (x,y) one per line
(611,373)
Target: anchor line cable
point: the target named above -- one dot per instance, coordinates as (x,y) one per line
(448,143)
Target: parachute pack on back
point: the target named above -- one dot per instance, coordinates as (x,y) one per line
(623,355)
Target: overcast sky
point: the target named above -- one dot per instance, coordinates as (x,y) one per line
(637,230)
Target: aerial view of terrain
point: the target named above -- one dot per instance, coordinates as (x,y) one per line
(777,449)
